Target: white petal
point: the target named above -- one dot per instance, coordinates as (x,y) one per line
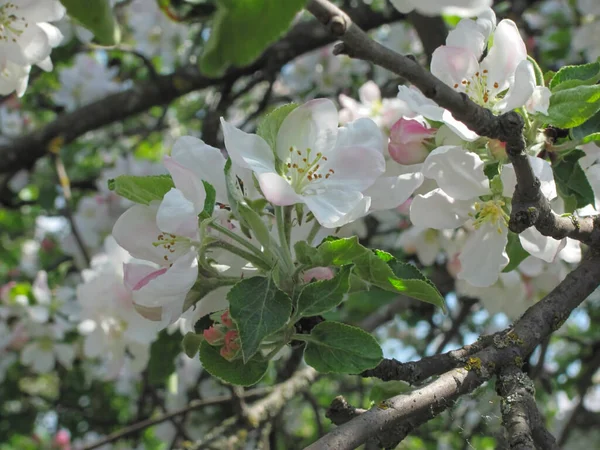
(390,192)
(177,215)
(458,127)
(360,133)
(452,65)
(459,173)
(420,104)
(334,208)
(248,150)
(369,93)
(404,6)
(572,252)
(540,246)
(521,90)
(277,190)
(541,168)
(483,256)
(312,125)
(187,182)
(438,210)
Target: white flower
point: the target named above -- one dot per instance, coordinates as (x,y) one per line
(26,38)
(87,80)
(322,166)
(502,81)
(463,8)
(13,78)
(462,183)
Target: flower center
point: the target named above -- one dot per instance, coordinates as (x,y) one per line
(169,243)
(477,89)
(11,25)
(303,168)
(491,211)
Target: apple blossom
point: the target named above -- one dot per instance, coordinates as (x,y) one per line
(322,166)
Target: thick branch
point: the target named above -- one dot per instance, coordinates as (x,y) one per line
(520,416)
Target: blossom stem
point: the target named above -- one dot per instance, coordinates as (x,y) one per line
(313,232)
(255,260)
(240,240)
(281,229)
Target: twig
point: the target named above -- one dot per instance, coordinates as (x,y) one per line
(196,404)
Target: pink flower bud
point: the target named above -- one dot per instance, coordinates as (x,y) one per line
(226,320)
(407,138)
(318,273)
(497,149)
(232,346)
(62,440)
(214,335)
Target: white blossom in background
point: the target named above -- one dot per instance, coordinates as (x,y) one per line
(85,81)
(463,8)
(26,39)
(154,33)
(585,37)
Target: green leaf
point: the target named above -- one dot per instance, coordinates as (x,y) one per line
(191,343)
(321,296)
(339,348)
(305,254)
(572,76)
(96,16)
(259,309)
(384,390)
(588,131)
(141,190)
(202,287)
(572,107)
(233,372)
(571,179)
(209,201)
(242,29)
(516,252)
(248,217)
(270,124)
(372,266)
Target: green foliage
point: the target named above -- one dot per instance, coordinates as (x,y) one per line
(588,131)
(209,201)
(270,124)
(321,296)
(375,267)
(96,16)
(516,252)
(339,348)
(162,357)
(571,181)
(259,309)
(191,343)
(573,76)
(574,106)
(242,29)
(141,190)
(233,372)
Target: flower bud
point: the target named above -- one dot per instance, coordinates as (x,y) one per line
(232,345)
(226,320)
(407,141)
(214,335)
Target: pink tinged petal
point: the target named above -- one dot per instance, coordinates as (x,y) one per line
(313,125)
(170,286)
(206,162)
(369,93)
(317,273)
(248,150)
(350,168)
(359,133)
(540,246)
(177,215)
(505,55)
(136,230)
(187,182)
(453,65)
(391,192)
(407,137)
(438,210)
(458,173)
(521,90)
(539,101)
(134,273)
(334,207)
(483,256)
(277,190)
